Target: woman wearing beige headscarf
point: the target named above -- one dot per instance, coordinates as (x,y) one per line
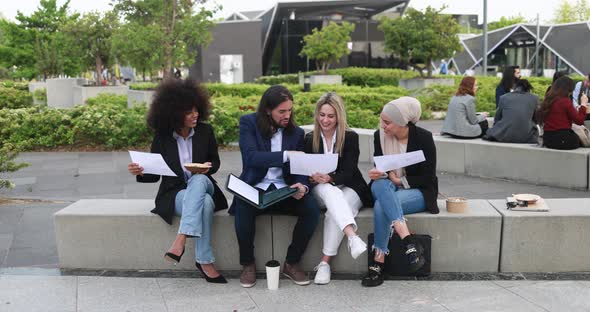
(403,191)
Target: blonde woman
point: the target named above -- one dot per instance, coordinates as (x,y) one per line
(344,191)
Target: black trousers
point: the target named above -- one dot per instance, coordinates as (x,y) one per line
(565,139)
(484,128)
(308,214)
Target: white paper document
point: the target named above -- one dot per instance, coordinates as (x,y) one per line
(392,162)
(246,190)
(151,163)
(308,164)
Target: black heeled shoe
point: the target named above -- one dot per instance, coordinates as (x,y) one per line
(173,258)
(217,280)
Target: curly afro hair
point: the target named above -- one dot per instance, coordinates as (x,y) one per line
(174,98)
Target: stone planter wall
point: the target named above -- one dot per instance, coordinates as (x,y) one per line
(82,93)
(418,83)
(323,79)
(135,97)
(60,92)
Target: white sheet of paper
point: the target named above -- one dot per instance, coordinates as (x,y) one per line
(246,190)
(308,164)
(151,163)
(390,162)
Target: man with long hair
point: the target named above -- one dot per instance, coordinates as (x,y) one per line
(267,138)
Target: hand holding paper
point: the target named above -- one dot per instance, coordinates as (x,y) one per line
(151,163)
(308,164)
(391,162)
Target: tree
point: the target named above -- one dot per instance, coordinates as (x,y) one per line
(134,44)
(506,21)
(34,44)
(418,37)
(178,26)
(568,13)
(327,45)
(91,36)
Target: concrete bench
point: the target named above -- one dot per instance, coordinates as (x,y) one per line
(520,162)
(554,241)
(461,242)
(123,234)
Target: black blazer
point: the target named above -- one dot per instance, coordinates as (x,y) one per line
(347,173)
(204,150)
(421,175)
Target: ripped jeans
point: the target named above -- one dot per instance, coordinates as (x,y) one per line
(391,204)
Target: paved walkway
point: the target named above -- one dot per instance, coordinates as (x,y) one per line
(89,294)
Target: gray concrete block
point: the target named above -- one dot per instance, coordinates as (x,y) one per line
(419,83)
(465,242)
(124,234)
(82,93)
(136,97)
(450,154)
(553,241)
(36,85)
(60,92)
(527,162)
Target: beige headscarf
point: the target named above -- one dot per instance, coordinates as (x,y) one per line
(401,111)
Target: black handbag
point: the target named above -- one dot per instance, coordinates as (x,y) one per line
(396,262)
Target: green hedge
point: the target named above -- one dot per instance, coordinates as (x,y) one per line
(142,86)
(15,98)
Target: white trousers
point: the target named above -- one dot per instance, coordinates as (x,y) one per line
(343,205)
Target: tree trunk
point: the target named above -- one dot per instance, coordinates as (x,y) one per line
(429,67)
(98,61)
(168,53)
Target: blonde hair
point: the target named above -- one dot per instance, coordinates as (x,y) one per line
(336,102)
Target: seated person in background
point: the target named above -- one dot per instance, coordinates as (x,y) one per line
(461,121)
(582,88)
(343,191)
(515,118)
(557,114)
(557,75)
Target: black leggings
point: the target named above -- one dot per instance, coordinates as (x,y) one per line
(565,139)
(484,128)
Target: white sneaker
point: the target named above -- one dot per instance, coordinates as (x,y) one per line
(322,276)
(356,246)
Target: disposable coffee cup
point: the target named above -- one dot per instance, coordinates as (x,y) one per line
(273,268)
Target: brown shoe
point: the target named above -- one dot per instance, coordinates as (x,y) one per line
(296,274)
(248,275)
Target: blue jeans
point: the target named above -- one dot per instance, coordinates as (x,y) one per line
(195,207)
(391,204)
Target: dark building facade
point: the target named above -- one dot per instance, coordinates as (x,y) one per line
(250,44)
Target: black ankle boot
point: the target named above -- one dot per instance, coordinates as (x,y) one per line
(375,275)
(414,251)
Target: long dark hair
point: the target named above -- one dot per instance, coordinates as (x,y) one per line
(272,97)
(173,99)
(508,78)
(561,88)
(523,85)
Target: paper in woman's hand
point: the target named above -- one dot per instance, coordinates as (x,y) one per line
(391,162)
(151,163)
(308,164)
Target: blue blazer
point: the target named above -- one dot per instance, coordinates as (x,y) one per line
(257,157)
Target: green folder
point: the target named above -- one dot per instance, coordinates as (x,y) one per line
(254,196)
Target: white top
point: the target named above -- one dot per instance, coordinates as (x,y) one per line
(328,149)
(274,175)
(185,151)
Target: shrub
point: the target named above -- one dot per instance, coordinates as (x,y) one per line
(40,95)
(23,86)
(372,77)
(278,79)
(142,86)
(14,98)
(7,164)
(108,99)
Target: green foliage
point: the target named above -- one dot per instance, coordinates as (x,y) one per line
(108,99)
(23,86)
(7,164)
(91,36)
(176,26)
(134,44)
(568,13)
(278,79)
(35,46)
(372,77)
(14,98)
(421,37)
(40,95)
(506,21)
(143,86)
(327,45)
